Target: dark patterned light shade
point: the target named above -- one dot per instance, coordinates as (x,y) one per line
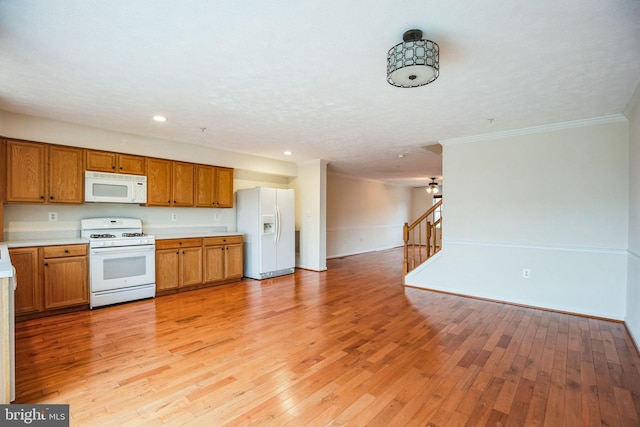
(414,62)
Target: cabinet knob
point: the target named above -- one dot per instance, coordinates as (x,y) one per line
(66,251)
(178,253)
(42,197)
(113,167)
(46,264)
(50,197)
(120,167)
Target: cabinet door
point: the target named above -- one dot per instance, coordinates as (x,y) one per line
(158,182)
(205,186)
(224,188)
(167,269)
(29,291)
(25,172)
(66,181)
(183,184)
(3,163)
(65,282)
(213,263)
(133,165)
(101,161)
(191,266)
(233,259)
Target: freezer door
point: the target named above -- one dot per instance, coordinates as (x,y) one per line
(268,233)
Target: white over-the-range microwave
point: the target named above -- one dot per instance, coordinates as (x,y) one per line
(114,188)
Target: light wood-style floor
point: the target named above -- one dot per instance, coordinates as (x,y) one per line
(350,346)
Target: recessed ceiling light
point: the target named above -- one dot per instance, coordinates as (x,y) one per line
(401,156)
(288,153)
(160,118)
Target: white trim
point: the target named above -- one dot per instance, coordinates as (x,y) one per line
(536,246)
(617,118)
(633,101)
(362,252)
(363,227)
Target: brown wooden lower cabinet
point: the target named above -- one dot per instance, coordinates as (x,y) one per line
(223,258)
(65,282)
(178,263)
(50,278)
(190,263)
(28,295)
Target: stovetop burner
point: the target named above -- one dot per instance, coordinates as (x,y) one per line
(104,233)
(133,234)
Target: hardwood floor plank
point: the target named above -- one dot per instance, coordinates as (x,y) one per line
(349,346)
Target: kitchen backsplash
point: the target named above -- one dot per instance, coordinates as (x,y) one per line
(23,222)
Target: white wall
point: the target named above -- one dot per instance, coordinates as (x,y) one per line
(364,215)
(558,205)
(632,318)
(55,132)
(26,221)
(311,214)
(421,201)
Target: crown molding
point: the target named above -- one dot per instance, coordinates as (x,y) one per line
(617,118)
(635,100)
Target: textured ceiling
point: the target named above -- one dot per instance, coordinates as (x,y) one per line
(310,76)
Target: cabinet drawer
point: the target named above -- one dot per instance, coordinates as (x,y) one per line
(178,243)
(64,251)
(226,240)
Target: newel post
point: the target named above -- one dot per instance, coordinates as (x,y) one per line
(405,237)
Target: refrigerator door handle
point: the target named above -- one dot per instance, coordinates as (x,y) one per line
(277,231)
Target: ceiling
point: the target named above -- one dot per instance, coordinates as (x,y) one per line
(309,76)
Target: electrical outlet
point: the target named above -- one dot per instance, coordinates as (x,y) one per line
(526,273)
(174,217)
(53,216)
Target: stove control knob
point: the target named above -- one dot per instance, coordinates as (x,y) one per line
(108,243)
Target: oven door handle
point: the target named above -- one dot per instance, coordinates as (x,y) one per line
(120,249)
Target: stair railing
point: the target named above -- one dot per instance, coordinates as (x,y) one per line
(423,238)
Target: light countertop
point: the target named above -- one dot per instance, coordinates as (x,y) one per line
(5,262)
(192,234)
(45,242)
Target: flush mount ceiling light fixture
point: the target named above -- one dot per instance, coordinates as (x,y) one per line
(414,62)
(433,186)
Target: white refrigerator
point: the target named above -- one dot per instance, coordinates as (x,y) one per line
(266,217)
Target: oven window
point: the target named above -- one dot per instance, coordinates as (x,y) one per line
(110,190)
(119,268)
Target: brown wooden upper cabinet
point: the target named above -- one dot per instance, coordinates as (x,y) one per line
(183,184)
(105,161)
(158,182)
(170,183)
(214,187)
(43,173)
